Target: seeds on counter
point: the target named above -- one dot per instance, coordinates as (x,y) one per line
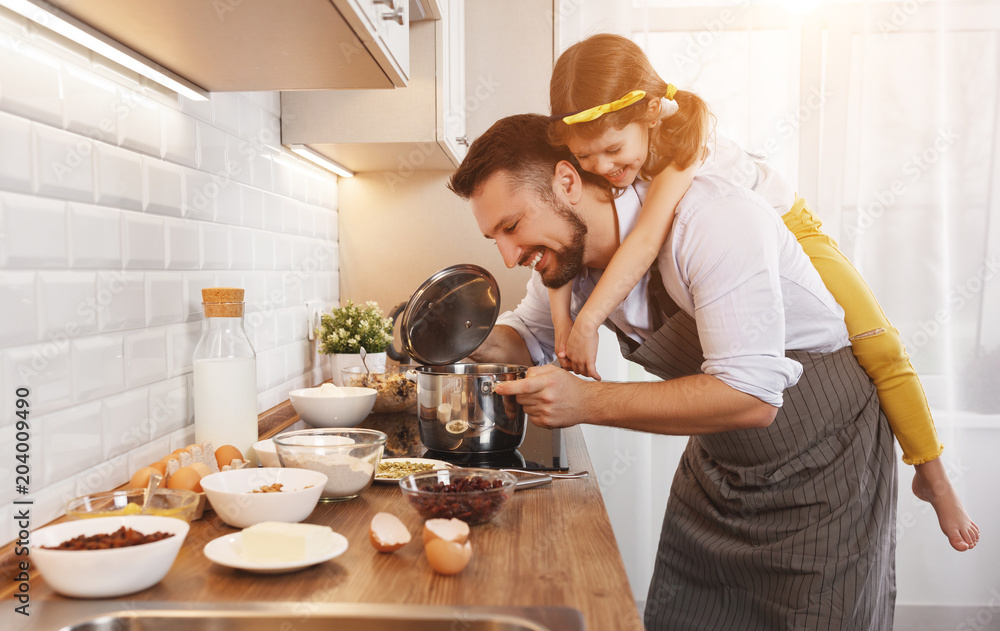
(121,538)
(398,469)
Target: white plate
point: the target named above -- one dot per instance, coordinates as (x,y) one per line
(226,550)
(438,464)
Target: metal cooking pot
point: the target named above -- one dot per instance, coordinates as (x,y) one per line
(445,320)
(457,409)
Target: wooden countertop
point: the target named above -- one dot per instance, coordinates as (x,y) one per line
(552,545)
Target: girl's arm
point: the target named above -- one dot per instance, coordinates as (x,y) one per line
(628,265)
(559,304)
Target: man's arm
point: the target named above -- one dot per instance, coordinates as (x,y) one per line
(503,346)
(699,404)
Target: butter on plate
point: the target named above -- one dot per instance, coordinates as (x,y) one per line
(280,542)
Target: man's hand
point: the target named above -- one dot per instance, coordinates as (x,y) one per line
(551,396)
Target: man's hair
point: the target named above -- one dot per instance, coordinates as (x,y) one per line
(516,145)
(519,147)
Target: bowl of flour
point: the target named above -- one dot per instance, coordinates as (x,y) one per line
(348,457)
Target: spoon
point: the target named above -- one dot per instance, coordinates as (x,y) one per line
(363,362)
(552,474)
(154,483)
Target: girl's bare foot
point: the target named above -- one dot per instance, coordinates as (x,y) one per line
(931,484)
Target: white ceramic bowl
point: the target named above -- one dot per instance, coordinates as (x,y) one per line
(266,454)
(232,497)
(348,409)
(106,573)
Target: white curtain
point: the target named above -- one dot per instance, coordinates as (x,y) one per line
(887,117)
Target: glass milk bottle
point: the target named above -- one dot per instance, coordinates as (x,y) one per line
(225,375)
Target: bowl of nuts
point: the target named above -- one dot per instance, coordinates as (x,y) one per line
(473,495)
(396,393)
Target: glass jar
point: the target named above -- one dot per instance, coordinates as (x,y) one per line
(225,375)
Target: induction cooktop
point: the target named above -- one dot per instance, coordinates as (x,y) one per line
(542,450)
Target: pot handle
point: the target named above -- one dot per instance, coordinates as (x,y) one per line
(400,356)
(488,384)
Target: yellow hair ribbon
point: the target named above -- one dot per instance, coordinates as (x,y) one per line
(671,91)
(600,110)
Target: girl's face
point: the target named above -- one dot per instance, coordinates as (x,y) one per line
(617,155)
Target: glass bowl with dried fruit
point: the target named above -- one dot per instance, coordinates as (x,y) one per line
(473,495)
(107,557)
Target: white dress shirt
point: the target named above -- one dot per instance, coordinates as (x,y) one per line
(730,263)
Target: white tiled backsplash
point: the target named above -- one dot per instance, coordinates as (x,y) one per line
(119,202)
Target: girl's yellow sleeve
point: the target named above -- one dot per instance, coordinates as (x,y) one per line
(875,341)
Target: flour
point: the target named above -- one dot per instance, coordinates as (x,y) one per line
(346,475)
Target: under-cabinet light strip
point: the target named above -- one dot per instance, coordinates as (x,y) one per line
(66,25)
(319,159)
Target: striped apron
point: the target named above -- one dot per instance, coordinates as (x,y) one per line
(786,527)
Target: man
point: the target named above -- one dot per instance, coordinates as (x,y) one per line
(782,510)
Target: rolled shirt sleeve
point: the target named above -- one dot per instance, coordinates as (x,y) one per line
(735,293)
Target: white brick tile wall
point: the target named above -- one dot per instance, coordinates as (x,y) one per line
(226,112)
(67,304)
(144,241)
(139,123)
(19,315)
(125,422)
(162,187)
(239,163)
(70,441)
(194,282)
(121,300)
(119,202)
(169,403)
(64,164)
(145,357)
(241,248)
(229,204)
(98,364)
(15,159)
(95,236)
(119,181)
(214,246)
(181,342)
(179,138)
(31,82)
(165,303)
(212,149)
(90,104)
(183,245)
(35,232)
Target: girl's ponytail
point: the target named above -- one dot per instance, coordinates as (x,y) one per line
(680,138)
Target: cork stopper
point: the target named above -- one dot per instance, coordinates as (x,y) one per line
(222,302)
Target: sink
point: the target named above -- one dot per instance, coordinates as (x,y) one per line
(292,616)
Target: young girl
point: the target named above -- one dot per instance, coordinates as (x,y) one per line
(615,115)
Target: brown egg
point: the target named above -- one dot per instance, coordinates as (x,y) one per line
(387,533)
(201,468)
(448,557)
(185,478)
(225,455)
(166,459)
(159,466)
(140,479)
(181,450)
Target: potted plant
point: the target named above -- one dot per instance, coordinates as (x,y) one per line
(344,331)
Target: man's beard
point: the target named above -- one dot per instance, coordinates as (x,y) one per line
(568,262)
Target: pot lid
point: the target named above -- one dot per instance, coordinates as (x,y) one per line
(450,315)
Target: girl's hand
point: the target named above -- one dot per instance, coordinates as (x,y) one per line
(563,326)
(581,350)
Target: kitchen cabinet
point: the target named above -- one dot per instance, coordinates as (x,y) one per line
(259,45)
(419,128)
